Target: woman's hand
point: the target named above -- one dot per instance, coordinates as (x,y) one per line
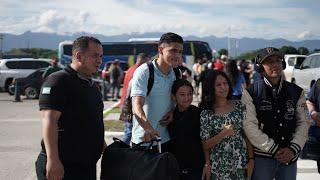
(249,167)
(228,130)
(206,173)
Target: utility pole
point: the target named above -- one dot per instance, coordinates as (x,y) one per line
(236,48)
(228,41)
(1,45)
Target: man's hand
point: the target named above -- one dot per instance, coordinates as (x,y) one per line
(167,118)
(250,167)
(54,169)
(150,134)
(284,155)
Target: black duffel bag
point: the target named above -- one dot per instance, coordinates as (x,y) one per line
(120,162)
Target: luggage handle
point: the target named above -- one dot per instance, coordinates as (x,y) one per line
(157,139)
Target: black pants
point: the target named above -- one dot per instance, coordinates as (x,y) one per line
(71,171)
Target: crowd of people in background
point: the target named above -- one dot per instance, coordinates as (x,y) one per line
(249,124)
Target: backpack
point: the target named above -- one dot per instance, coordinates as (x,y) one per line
(126,111)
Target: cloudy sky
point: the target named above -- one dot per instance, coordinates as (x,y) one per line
(289,19)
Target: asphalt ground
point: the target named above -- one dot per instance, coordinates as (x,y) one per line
(20,135)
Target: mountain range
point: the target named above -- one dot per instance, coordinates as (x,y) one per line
(236,45)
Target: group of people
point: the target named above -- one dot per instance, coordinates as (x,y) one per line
(114,75)
(257,135)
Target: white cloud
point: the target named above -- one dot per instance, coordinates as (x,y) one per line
(83,17)
(305,35)
(244,18)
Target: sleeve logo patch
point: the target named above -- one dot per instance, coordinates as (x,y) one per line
(46,90)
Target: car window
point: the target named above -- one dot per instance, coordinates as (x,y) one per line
(291,61)
(300,60)
(306,63)
(40,64)
(12,64)
(315,62)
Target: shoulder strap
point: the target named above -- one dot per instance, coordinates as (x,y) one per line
(151,77)
(177,73)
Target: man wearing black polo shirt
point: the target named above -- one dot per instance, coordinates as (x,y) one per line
(72,123)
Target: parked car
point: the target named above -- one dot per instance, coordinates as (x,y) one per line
(308,72)
(18,68)
(291,61)
(29,86)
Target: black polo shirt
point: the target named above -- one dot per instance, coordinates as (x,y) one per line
(80,126)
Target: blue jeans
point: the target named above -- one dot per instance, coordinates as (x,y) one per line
(127,132)
(268,168)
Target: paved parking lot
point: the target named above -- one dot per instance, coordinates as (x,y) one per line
(20,135)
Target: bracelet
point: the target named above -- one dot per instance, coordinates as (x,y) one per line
(251,158)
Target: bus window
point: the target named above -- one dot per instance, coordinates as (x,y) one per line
(118,49)
(67,49)
(187,49)
(202,48)
(150,49)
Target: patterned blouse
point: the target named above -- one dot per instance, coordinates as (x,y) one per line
(230,156)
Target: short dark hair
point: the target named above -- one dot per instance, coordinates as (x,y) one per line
(170,37)
(208,98)
(82,43)
(179,83)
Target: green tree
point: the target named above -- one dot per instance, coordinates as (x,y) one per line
(36,52)
(303,50)
(223,51)
(288,50)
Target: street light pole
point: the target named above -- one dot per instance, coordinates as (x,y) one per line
(1,45)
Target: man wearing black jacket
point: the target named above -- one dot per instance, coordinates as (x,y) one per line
(276,123)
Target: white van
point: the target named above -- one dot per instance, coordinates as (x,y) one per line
(291,61)
(308,72)
(18,68)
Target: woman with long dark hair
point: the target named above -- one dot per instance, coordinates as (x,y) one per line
(228,155)
(236,78)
